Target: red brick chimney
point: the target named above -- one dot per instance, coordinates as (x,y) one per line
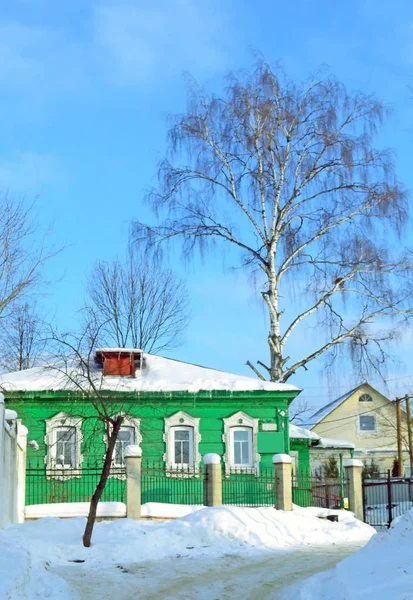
(120,362)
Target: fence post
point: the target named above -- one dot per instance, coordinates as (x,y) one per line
(133,462)
(21,470)
(389,501)
(3,503)
(212,480)
(354,470)
(283,482)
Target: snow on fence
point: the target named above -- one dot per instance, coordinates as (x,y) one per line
(13,438)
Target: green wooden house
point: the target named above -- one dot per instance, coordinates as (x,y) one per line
(177,412)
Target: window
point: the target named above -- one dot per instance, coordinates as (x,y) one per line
(63,440)
(365,398)
(181,439)
(129,433)
(240,438)
(367,423)
(126,437)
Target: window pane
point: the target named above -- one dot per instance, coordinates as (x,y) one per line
(367,423)
(126,436)
(237,453)
(240,436)
(178,453)
(182,434)
(185,453)
(182,441)
(242,446)
(66,446)
(245,454)
(365,398)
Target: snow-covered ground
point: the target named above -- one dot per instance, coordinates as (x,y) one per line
(382,570)
(209,553)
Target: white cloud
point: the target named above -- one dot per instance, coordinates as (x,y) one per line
(30,172)
(144,44)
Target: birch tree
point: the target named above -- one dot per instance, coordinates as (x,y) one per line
(289,176)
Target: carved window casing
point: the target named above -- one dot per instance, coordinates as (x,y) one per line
(240,438)
(129,433)
(182,439)
(63,440)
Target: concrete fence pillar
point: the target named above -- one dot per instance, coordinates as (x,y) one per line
(21,470)
(3,483)
(353,469)
(133,462)
(283,481)
(212,480)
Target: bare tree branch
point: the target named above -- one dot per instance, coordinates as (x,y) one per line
(139,303)
(22,338)
(289,175)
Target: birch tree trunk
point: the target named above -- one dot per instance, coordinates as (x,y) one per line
(288,174)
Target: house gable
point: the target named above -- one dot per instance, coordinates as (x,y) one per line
(368,424)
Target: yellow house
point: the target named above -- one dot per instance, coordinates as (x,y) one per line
(368,419)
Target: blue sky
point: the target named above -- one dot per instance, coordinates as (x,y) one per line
(85,90)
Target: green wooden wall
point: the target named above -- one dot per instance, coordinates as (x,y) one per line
(151,409)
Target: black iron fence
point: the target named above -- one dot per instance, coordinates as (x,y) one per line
(386,498)
(51,486)
(245,488)
(171,484)
(183,485)
(309,490)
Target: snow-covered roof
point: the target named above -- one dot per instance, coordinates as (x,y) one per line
(332,443)
(328,408)
(157,375)
(120,350)
(300,433)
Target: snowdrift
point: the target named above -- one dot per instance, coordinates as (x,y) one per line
(382,570)
(208,532)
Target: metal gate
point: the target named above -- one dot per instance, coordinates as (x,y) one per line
(386,498)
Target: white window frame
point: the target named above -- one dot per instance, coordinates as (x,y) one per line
(232,432)
(181,420)
(237,420)
(366,397)
(127,422)
(361,431)
(172,441)
(61,421)
(131,428)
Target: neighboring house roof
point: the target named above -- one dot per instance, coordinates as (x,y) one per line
(328,408)
(332,443)
(158,375)
(301,433)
